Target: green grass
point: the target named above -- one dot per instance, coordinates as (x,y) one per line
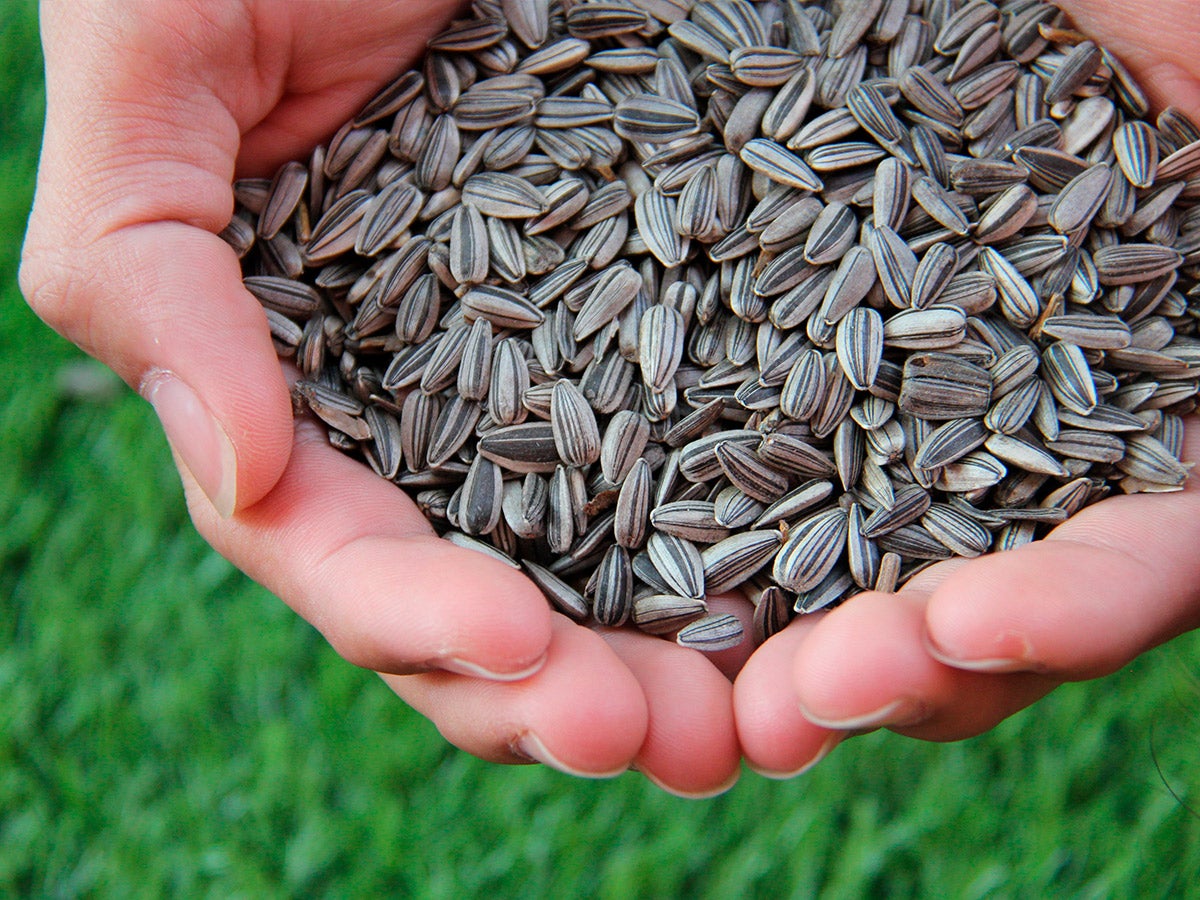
(169,729)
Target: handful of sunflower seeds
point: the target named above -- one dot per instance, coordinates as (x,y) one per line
(660,298)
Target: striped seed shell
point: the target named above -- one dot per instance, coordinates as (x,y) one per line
(678,562)
(812,549)
(712,633)
(576,433)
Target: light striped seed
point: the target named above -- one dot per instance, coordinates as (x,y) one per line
(502,307)
(891,192)
(1090,332)
(733,509)
(749,473)
(633,506)
(1133,263)
(475,368)
(679,563)
(895,263)
(939,206)
(645,118)
(934,273)
(935,328)
(956,530)
(1018,301)
(950,442)
(503,196)
(1148,460)
(1069,377)
(1025,455)
(692,520)
(1009,414)
(731,561)
(860,339)
(660,345)
(452,429)
(712,633)
(780,166)
(576,434)
(812,549)
(665,613)
(655,214)
(862,555)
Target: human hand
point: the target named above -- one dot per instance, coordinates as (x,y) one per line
(153,109)
(967,644)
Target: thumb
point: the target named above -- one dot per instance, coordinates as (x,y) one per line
(122,257)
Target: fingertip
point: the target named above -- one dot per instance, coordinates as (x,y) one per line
(471,614)
(967,625)
(776,739)
(865,664)
(785,774)
(701,794)
(588,711)
(691,747)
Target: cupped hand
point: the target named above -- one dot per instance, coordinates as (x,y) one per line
(152,110)
(968,643)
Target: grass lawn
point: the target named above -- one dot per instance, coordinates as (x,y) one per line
(167,728)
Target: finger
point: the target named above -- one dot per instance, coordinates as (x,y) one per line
(582,713)
(353,555)
(339,59)
(776,739)
(1156,41)
(691,747)
(143,121)
(865,666)
(1118,578)
(122,258)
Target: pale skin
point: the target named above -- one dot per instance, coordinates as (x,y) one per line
(154,108)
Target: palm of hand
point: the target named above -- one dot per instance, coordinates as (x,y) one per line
(354,556)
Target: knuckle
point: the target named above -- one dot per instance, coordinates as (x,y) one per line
(55,288)
(360,649)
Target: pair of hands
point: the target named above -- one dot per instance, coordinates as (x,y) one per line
(153,110)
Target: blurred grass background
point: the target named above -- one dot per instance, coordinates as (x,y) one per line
(167,728)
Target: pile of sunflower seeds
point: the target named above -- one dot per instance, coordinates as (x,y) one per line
(663,298)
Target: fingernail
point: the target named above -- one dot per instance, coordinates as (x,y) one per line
(198,440)
(530,746)
(694,795)
(897,713)
(474,670)
(1011,652)
(778,775)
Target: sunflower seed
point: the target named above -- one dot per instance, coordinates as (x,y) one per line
(1069,377)
(731,561)
(812,549)
(666,613)
(957,531)
(1025,454)
(711,633)
(679,563)
(692,520)
(780,166)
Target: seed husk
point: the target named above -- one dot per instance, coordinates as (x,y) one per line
(711,633)
(812,549)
